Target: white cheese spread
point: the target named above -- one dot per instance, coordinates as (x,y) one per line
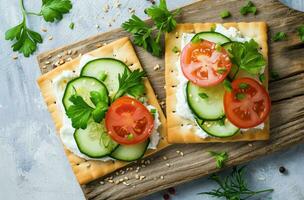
(67,131)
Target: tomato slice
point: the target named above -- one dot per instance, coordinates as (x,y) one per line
(248,104)
(204,63)
(128,121)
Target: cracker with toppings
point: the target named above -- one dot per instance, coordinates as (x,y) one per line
(182,130)
(89,170)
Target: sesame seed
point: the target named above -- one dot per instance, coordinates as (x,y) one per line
(121,180)
(47,62)
(162,177)
(43,29)
(126,178)
(15,57)
(44,67)
(142,177)
(116,173)
(106,8)
(168,165)
(177,151)
(117,182)
(50,37)
(111,181)
(125,183)
(157,67)
(143,166)
(102,182)
(250,144)
(136,176)
(98,45)
(164,157)
(181,153)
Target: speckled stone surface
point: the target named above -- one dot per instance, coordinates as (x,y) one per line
(33,165)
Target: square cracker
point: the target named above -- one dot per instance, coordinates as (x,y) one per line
(121,49)
(176,132)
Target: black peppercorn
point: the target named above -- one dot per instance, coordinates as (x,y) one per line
(282,169)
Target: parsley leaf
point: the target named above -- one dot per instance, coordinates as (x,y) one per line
(227,85)
(80,112)
(301,32)
(203,95)
(164,21)
(247,57)
(52,10)
(142,34)
(262,78)
(71,26)
(233,186)
(131,83)
(220,157)
(225,14)
(249,8)
(279,36)
(162,17)
(26,39)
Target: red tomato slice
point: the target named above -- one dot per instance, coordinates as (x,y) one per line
(128,121)
(248,104)
(204,64)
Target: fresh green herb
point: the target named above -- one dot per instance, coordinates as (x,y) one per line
(103,76)
(227,85)
(301,32)
(130,136)
(243,85)
(163,20)
(233,186)
(220,158)
(131,83)
(162,17)
(240,96)
(153,112)
(25,39)
(52,10)
(274,75)
(279,36)
(203,95)
(175,49)
(225,14)
(196,40)
(72,25)
(142,35)
(249,8)
(221,70)
(262,78)
(247,57)
(221,122)
(80,112)
(218,47)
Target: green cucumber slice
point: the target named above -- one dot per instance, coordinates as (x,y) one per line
(206,102)
(130,152)
(105,70)
(83,86)
(220,128)
(94,141)
(215,37)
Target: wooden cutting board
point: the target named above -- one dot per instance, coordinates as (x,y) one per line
(287,94)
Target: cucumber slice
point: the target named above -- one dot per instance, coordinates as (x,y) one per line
(105,70)
(211,106)
(130,152)
(94,141)
(83,86)
(221,128)
(215,37)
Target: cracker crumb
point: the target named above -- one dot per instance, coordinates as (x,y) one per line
(131,10)
(142,178)
(47,62)
(44,67)
(116,4)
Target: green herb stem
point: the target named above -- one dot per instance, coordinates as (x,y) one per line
(33,13)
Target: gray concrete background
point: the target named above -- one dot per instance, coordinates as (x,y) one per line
(33,165)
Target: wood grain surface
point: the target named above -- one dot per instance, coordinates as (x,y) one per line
(287,94)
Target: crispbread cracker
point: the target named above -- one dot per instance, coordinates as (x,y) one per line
(121,49)
(177,131)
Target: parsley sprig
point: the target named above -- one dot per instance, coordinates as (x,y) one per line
(80,112)
(233,186)
(246,56)
(130,83)
(25,39)
(164,21)
(301,32)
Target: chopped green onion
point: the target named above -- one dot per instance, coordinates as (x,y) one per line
(227,85)
(72,25)
(203,95)
(279,36)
